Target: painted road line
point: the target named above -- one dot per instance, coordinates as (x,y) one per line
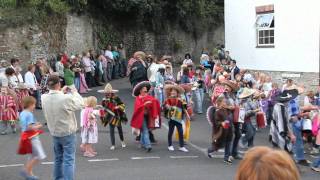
(203,150)
(11,165)
(183,157)
(47,163)
(151,157)
(102,160)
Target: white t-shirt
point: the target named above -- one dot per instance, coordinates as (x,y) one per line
(108,54)
(152,71)
(187,61)
(30,80)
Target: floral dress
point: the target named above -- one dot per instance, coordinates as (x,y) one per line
(89,127)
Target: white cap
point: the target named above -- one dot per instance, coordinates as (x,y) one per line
(72,57)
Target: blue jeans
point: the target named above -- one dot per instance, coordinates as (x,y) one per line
(77,83)
(159,95)
(115,72)
(64,157)
(298,148)
(316,163)
(199,94)
(250,133)
(227,150)
(109,71)
(145,140)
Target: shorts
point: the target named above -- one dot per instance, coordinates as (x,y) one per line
(37,149)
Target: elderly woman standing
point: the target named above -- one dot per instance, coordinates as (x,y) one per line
(137,68)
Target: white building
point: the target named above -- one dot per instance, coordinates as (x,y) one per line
(274,35)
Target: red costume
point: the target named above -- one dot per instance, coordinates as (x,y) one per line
(8,108)
(154,112)
(25,146)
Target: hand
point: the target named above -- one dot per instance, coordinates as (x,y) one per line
(168,106)
(64,89)
(293,138)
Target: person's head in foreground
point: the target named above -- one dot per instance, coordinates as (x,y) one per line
(264,163)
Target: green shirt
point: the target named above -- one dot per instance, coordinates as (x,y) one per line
(68,77)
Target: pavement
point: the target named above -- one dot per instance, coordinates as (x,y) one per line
(132,162)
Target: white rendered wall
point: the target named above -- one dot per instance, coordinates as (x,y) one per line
(296,35)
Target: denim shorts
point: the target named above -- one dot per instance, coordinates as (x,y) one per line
(37,149)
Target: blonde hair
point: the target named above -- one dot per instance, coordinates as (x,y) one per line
(28,101)
(91,101)
(264,163)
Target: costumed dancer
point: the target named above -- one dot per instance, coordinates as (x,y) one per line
(280,130)
(233,109)
(175,111)
(8,113)
(251,111)
(29,140)
(89,126)
(186,124)
(146,115)
(114,114)
(221,129)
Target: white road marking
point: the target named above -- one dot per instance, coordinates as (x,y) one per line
(150,157)
(101,160)
(11,165)
(183,157)
(47,163)
(203,150)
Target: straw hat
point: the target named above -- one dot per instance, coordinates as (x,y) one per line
(108,89)
(139,86)
(169,87)
(231,84)
(246,93)
(299,88)
(139,53)
(287,95)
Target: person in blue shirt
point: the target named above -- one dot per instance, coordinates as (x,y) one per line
(30,142)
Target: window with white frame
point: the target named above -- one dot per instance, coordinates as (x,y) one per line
(265,30)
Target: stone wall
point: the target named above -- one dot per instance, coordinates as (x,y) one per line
(30,42)
(163,44)
(310,80)
(79,34)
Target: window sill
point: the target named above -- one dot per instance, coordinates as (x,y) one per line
(270,46)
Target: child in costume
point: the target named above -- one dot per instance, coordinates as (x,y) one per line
(175,111)
(8,113)
(146,115)
(29,140)
(89,127)
(114,114)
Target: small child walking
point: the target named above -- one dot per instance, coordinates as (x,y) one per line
(114,114)
(29,140)
(89,127)
(175,111)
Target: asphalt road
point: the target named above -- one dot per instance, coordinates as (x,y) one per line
(132,162)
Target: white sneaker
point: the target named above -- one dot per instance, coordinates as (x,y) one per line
(123,144)
(112,148)
(183,149)
(171,148)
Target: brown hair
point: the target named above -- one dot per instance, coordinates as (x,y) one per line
(310,94)
(30,66)
(264,163)
(28,101)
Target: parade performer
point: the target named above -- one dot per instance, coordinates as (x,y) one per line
(114,114)
(222,131)
(29,140)
(8,113)
(89,126)
(251,111)
(281,132)
(175,112)
(186,124)
(146,115)
(233,108)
